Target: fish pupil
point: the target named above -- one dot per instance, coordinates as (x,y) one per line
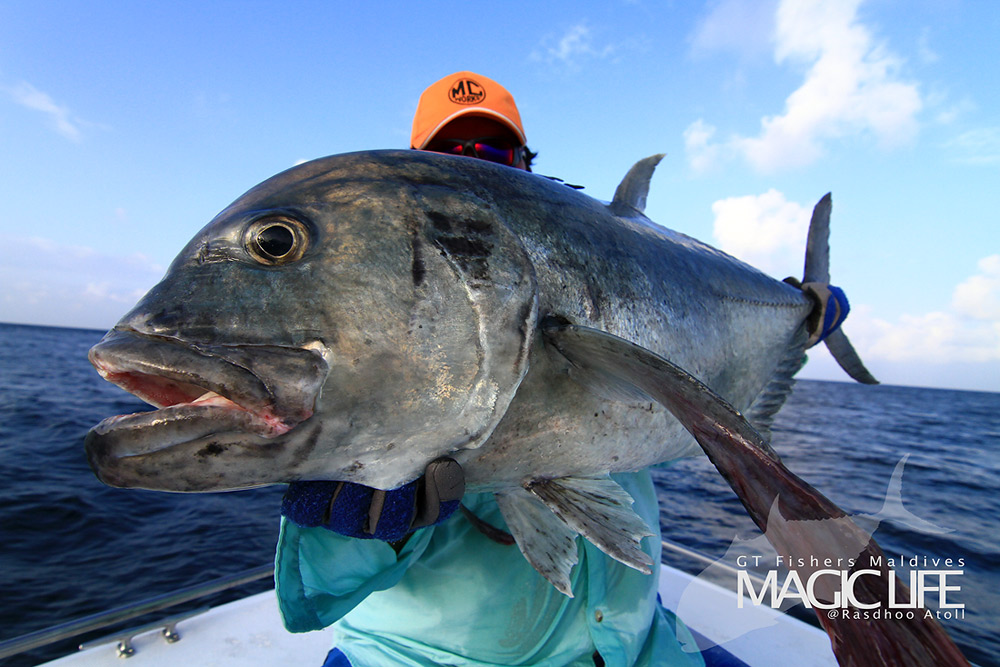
(275,241)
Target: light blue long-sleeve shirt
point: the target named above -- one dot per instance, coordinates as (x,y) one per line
(452,596)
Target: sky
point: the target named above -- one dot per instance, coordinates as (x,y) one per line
(125,127)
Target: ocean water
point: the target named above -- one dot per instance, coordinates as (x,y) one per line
(70,546)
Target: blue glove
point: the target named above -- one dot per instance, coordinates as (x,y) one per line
(360,511)
(830,312)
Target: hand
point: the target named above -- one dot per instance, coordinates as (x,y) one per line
(829,313)
(360,511)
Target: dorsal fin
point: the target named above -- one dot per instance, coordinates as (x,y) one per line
(630,197)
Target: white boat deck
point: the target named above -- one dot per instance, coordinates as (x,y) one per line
(755,635)
(249,633)
(246,632)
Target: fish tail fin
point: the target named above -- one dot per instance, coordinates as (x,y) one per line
(832,306)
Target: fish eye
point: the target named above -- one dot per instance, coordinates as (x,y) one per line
(276,240)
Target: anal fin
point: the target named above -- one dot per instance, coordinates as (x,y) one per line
(770,400)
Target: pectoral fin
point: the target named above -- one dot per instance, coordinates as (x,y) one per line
(807,526)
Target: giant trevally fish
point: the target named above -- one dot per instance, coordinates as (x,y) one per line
(357,317)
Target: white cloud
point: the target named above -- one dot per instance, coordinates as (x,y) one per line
(766,231)
(852,87)
(949,112)
(968,331)
(577,45)
(702,153)
(980,146)
(908,338)
(769,232)
(60,116)
(927,54)
(46,282)
(979,296)
(932,338)
(744,27)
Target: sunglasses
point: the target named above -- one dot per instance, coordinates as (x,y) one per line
(491,149)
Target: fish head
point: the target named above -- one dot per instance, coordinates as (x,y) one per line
(350,319)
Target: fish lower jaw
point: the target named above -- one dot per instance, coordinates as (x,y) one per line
(209,417)
(270,425)
(175,400)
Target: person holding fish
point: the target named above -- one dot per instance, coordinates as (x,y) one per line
(426,575)
(464,353)
(468,114)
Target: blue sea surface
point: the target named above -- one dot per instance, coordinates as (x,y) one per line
(72,546)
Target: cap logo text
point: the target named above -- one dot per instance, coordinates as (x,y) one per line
(466,91)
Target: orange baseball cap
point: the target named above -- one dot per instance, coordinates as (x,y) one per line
(462,94)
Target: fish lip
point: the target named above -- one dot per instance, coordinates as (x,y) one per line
(141,433)
(199,390)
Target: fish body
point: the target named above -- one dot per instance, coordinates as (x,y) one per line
(407,329)
(723,321)
(359,316)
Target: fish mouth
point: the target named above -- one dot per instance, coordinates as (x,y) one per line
(249,394)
